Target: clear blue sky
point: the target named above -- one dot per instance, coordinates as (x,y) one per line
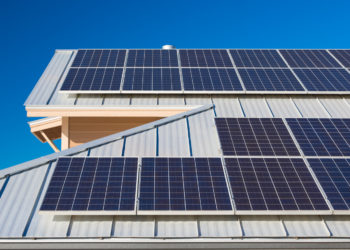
(32,30)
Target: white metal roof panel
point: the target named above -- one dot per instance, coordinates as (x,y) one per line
(336,107)
(227,106)
(47,84)
(132,226)
(219,226)
(144,100)
(175,227)
(262,226)
(255,107)
(112,100)
(171,100)
(114,148)
(282,107)
(310,107)
(204,138)
(86,100)
(143,144)
(91,226)
(305,226)
(338,225)
(18,201)
(173,139)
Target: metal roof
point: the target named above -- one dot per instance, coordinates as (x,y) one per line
(22,187)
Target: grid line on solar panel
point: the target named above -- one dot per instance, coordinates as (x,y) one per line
(269,80)
(322,137)
(92,184)
(257,58)
(334,177)
(309,59)
(324,79)
(205,58)
(215,79)
(255,137)
(164,79)
(273,184)
(183,184)
(152,58)
(99,58)
(343,56)
(93,79)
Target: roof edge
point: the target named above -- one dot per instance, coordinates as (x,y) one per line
(45,159)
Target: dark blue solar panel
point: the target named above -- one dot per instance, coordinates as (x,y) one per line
(309,59)
(93,79)
(269,80)
(273,184)
(152,58)
(334,177)
(255,137)
(210,79)
(163,79)
(257,58)
(322,137)
(99,58)
(183,184)
(205,58)
(343,55)
(90,183)
(324,79)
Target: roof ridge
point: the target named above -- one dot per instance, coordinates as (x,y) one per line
(104,140)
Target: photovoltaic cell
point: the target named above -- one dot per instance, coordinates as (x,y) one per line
(343,55)
(152,58)
(324,79)
(255,137)
(322,137)
(183,184)
(269,80)
(93,79)
(99,58)
(196,79)
(87,184)
(334,177)
(163,79)
(309,59)
(205,58)
(273,184)
(249,58)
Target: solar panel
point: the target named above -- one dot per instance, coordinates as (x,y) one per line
(322,137)
(257,58)
(205,58)
(198,79)
(188,184)
(334,177)
(99,58)
(164,79)
(92,184)
(324,79)
(273,184)
(343,55)
(93,79)
(309,59)
(269,80)
(255,137)
(152,58)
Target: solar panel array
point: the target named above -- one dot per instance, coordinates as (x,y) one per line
(273,184)
(217,70)
(322,137)
(255,137)
(90,184)
(334,177)
(183,184)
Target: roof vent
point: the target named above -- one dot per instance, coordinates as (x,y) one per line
(168,47)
